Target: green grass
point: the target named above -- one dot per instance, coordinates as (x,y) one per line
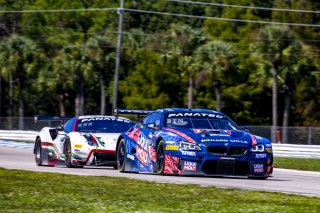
(26,191)
(297,163)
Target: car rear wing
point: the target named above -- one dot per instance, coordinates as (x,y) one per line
(117,112)
(63,119)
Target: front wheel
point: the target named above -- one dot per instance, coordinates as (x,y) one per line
(121,155)
(38,153)
(160,158)
(68,155)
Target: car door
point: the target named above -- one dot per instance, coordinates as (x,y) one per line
(62,135)
(148,126)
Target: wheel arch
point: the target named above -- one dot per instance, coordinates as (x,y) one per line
(36,141)
(158,141)
(118,141)
(65,144)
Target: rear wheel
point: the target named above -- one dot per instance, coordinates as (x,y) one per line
(121,154)
(38,154)
(160,158)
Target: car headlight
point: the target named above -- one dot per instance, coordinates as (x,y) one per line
(188,146)
(258,148)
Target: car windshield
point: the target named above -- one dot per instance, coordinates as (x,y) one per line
(201,123)
(103,125)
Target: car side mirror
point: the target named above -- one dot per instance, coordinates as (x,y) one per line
(152,126)
(246,129)
(60,128)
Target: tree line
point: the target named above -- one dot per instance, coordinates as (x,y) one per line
(62,63)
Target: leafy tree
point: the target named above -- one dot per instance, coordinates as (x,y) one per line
(216,58)
(99,55)
(182,42)
(18,56)
(282,52)
(151,85)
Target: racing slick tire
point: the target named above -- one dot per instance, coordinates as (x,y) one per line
(160,158)
(38,153)
(121,155)
(68,155)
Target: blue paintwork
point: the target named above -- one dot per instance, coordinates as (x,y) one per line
(148,138)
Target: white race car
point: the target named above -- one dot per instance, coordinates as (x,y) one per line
(81,141)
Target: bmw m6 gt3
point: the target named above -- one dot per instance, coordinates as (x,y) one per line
(193,142)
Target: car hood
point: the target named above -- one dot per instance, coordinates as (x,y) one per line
(206,136)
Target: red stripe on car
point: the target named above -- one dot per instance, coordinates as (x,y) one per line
(189,139)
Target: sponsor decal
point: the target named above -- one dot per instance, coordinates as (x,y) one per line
(172,147)
(131,157)
(188,153)
(104,119)
(269,150)
(142,155)
(258,168)
(143,141)
(195,114)
(223,140)
(214,140)
(190,166)
(238,141)
(177,121)
(78,146)
(264,155)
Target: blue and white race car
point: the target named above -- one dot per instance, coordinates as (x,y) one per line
(192,142)
(81,141)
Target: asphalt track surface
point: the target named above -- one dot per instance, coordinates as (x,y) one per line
(283,180)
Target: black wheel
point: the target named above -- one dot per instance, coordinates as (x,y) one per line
(160,158)
(38,153)
(68,154)
(121,154)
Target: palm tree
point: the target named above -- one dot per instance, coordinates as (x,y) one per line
(98,53)
(18,58)
(215,58)
(70,62)
(281,51)
(182,41)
